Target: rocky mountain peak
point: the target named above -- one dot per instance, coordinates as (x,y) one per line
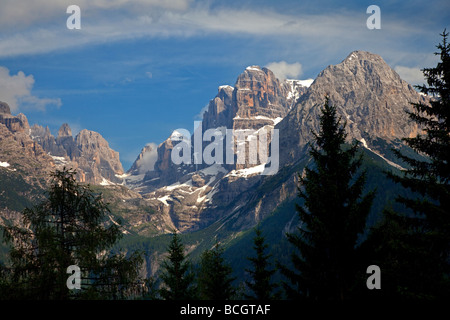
(258,92)
(96,158)
(359,55)
(17,123)
(369,95)
(64,131)
(24,120)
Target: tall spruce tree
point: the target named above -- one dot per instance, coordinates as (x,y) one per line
(422,243)
(261,274)
(215,276)
(332,217)
(71,227)
(177,276)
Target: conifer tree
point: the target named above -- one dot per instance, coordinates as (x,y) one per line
(72,227)
(332,217)
(215,276)
(422,244)
(261,273)
(177,276)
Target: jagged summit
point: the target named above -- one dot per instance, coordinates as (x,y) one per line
(369,95)
(64,131)
(360,55)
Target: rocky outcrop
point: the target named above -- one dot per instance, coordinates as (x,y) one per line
(96,159)
(259,98)
(220,111)
(20,152)
(88,153)
(13,123)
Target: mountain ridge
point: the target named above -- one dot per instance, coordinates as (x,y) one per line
(370,96)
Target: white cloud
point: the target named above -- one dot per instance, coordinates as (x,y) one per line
(22,14)
(40,26)
(114,23)
(148,160)
(412,75)
(16,91)
(284,70)
(199,116)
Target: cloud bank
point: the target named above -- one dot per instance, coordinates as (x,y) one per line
(284,70)
(412,75)
(16,91)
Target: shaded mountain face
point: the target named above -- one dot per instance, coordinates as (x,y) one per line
(370,97)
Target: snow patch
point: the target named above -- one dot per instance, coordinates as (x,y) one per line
(4,164)
(178,185)
(253,68)
(244,173)
(106,182)
(277,120)
(274,120)
(306,83)
(363,141)
(213,170)
(225,87)
(164,199)
(353,55)
(263,118)
(59,160)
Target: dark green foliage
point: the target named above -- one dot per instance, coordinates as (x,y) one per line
(177,276)
(418,253)
(261,274)
(71,227)
(332,217)
(402,255)
(214,278)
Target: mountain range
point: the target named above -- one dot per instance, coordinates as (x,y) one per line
(220,201)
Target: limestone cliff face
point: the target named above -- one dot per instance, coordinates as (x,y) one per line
(19,153)
(97,160)
(259,98)
(88,153)
(220,111)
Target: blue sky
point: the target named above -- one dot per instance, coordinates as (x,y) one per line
(138,69)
